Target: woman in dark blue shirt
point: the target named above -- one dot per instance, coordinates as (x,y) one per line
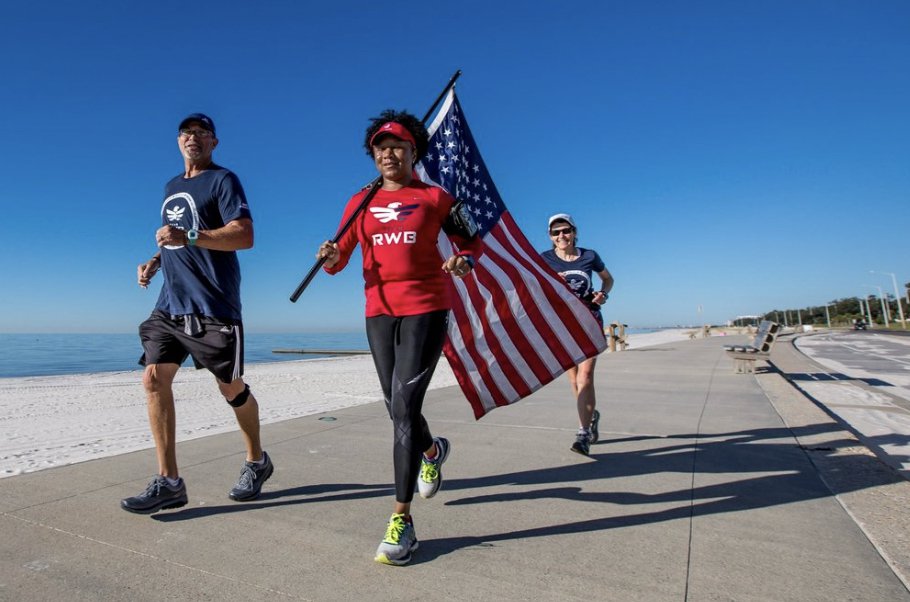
(577,266)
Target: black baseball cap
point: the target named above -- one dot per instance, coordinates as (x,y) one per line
(203,120)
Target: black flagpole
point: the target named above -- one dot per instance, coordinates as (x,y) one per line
(374,188)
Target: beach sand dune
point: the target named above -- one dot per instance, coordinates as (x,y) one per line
(57,420)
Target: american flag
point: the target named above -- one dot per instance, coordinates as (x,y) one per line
(515,325)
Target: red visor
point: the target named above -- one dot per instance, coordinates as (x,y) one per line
(395,129)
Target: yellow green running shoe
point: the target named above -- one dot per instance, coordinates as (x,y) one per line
(400,540)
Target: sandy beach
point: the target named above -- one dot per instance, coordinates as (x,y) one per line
(57,420)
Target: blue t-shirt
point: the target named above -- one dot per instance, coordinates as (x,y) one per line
(201,281)
(577,274)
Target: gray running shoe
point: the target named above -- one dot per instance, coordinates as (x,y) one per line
(158,495)
(430,477)
(595,423)
(252,476)
(400,540)
(582,444)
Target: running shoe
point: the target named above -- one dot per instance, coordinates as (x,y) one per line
(595,422)
(400,540)
(158,495)
(582,444)
(252,476)
(431,470)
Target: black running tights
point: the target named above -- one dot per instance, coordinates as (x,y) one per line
(405,351)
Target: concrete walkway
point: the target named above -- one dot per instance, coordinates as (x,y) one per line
(707,485)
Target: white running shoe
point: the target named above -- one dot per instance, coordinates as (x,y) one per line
(431,470)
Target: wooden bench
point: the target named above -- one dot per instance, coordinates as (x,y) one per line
(759,349)
(616,336)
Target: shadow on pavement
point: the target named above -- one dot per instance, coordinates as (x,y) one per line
(786,476)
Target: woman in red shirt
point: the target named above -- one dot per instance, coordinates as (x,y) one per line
(408,297)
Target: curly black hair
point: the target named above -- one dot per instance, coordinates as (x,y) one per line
(409,121)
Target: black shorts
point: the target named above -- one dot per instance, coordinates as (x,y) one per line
(218,348)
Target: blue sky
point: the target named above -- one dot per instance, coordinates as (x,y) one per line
(733,156)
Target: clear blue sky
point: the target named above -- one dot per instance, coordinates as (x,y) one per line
(738,156)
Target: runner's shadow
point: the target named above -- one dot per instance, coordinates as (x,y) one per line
(785,476)
(733,501)
(306,494)
(756,450)
(890,442)
(738,452)
(762,434)
(831,376)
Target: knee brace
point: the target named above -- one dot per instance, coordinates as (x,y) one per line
(241,398)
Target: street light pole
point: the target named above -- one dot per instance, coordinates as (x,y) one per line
(868,311)
(897,297)
(881,298)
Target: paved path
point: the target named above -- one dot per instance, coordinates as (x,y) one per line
(707,485)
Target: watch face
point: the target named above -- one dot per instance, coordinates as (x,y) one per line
(192,235)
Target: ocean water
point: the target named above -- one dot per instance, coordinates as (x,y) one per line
(49,354)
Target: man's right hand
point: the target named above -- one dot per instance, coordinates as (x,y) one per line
(147,270)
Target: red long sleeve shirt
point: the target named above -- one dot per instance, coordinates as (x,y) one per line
(397,233)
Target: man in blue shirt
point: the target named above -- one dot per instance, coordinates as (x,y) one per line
(205,220)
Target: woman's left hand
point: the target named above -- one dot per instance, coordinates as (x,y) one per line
(599,298)
(457,265)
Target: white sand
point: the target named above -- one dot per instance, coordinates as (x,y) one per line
(57,420)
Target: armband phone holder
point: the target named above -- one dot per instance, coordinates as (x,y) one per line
(460,222)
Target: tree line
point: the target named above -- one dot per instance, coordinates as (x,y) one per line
(842,311)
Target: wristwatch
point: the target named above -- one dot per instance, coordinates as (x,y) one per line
(192,236)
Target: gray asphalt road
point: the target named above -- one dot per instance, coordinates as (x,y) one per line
(881,359)
(864,379)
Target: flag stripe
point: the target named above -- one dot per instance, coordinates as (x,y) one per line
(539,286)
(508,378)
(504,338)
(515,325)
(506,302)
(483,374)
(488,371)
(534,327)
(501,375)
(569,315)
(572,312)
(463,374)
